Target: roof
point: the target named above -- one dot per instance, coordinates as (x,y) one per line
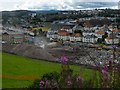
(100,32)
(67,27)
(88,24)
(51,33)
(116,30)
(77,35)
(90,36)
(63,33)
(110,38)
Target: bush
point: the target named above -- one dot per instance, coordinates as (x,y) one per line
(107,76)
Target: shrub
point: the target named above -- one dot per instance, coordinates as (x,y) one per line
(107,76)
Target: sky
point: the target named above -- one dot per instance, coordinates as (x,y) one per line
(56,4)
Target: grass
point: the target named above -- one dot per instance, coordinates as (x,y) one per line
(21,71)
(0,70)
(43,28)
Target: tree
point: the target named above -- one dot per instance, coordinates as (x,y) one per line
(104,36)
(78,31)
(99,40)
(119,44)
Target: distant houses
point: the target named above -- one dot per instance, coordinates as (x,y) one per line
(77,33)
(88,32)
(89,39)
(19,39)
(99,34)
(112,40)
(116,32)
(63,35)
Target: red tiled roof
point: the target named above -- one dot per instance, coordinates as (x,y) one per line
(100,32)
(116,30)
(77,35)
(109,38)
(63,33)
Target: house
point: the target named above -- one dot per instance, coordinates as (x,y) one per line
(72,38)
(17,39)
(52,34)
(68,28)
(116,32)
(88,32)
(76,37)
(78,27)
(29,39)
(29,32)
(105,28)
(89,39)
(63,35)
(100,33)
(112,40)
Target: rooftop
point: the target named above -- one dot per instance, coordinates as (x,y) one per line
(100,32)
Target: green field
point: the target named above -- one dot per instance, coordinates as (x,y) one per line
(43,28)
(21,71)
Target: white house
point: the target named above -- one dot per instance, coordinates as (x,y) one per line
(52,34)
(72,38)
(63,35)
(99,34)
(89,39)
(88,32)
(116,32)
(112,40)
(77,37)
(68,28)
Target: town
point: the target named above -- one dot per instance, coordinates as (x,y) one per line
(73,46)
(97,31)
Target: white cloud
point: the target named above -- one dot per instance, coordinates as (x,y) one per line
(45,4)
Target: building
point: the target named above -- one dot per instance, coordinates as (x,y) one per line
(99,34)
(29,39)
(17,38)
(88,32)
(78,37)
(112,40)
(51,34)
(63,35)
(68,28)
(75,37)
(89,39)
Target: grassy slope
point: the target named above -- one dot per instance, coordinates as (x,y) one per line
(14,67)
(0,70)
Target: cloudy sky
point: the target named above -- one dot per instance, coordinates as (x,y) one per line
(56,4)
